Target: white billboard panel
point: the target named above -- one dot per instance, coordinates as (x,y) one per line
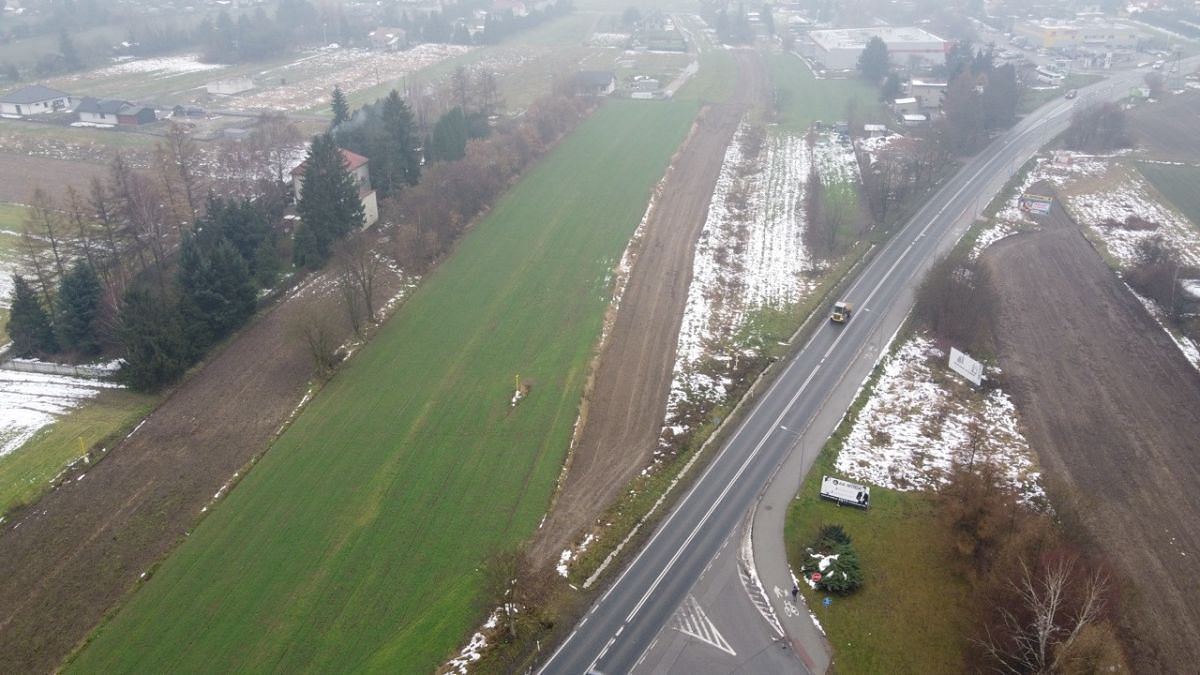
(966,366)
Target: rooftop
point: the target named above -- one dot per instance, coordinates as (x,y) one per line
(101,106)
(352,160)
(857,38)
(594,78)
(34,93)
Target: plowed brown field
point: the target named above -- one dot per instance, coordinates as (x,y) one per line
(627,402)
(1113,410)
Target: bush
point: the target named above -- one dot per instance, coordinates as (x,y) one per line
(833,556)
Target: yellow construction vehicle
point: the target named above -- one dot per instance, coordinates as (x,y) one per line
(841,312)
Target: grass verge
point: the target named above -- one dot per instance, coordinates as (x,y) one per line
(911,614)
(354,544)
(26,472)
(801,99)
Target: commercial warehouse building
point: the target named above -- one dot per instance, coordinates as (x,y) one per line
(908,46)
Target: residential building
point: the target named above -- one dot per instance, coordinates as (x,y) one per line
(34,99)
(357,165)
(595,82)
(929,94)
(111,112)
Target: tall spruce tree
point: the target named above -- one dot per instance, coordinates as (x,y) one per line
(341,109)
(28,324)
(400,128)
(245,225)
(450,136)
(79,310)
(873,62)
(329,204)
(216,292)
(152,333)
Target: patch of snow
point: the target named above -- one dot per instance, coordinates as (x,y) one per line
(1185,344)
(1131,197)
(351,69)
(32,401)
(473,651)
(750,255)
(916,427)
(998,230)
(570,554)
(161,65)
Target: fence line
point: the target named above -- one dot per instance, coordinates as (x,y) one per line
(21,366)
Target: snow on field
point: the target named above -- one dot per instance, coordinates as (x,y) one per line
(1106,210)
(1059,170)
(609,39)
(30,401)
(919,422)
(161,66)
(875,145)
(751,255)
(473,651)
(351,69)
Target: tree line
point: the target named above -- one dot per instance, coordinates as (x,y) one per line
(250,36)
(156,266)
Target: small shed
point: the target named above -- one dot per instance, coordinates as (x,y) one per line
(905,106)
(136,115)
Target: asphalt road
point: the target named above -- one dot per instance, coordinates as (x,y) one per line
(617,631)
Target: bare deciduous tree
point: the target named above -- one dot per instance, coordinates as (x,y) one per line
(45,224)
(319,334)
(1056,604)
(362,266)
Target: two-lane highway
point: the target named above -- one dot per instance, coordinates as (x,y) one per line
(617,630)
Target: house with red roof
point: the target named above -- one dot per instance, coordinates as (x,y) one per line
(356,164)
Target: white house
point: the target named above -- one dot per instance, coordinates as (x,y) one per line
(356,164)
(929,94)
(111,112)
(34,100)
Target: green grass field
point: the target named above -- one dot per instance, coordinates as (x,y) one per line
(912,612)
(354,544)
(802,99)
(1178,185)
(26,472)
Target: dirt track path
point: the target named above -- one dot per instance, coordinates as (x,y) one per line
(74,554)
(1113,409)
(628,397)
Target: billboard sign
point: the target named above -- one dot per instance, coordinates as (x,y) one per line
(845,492)
(966,366)
(1038,204)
